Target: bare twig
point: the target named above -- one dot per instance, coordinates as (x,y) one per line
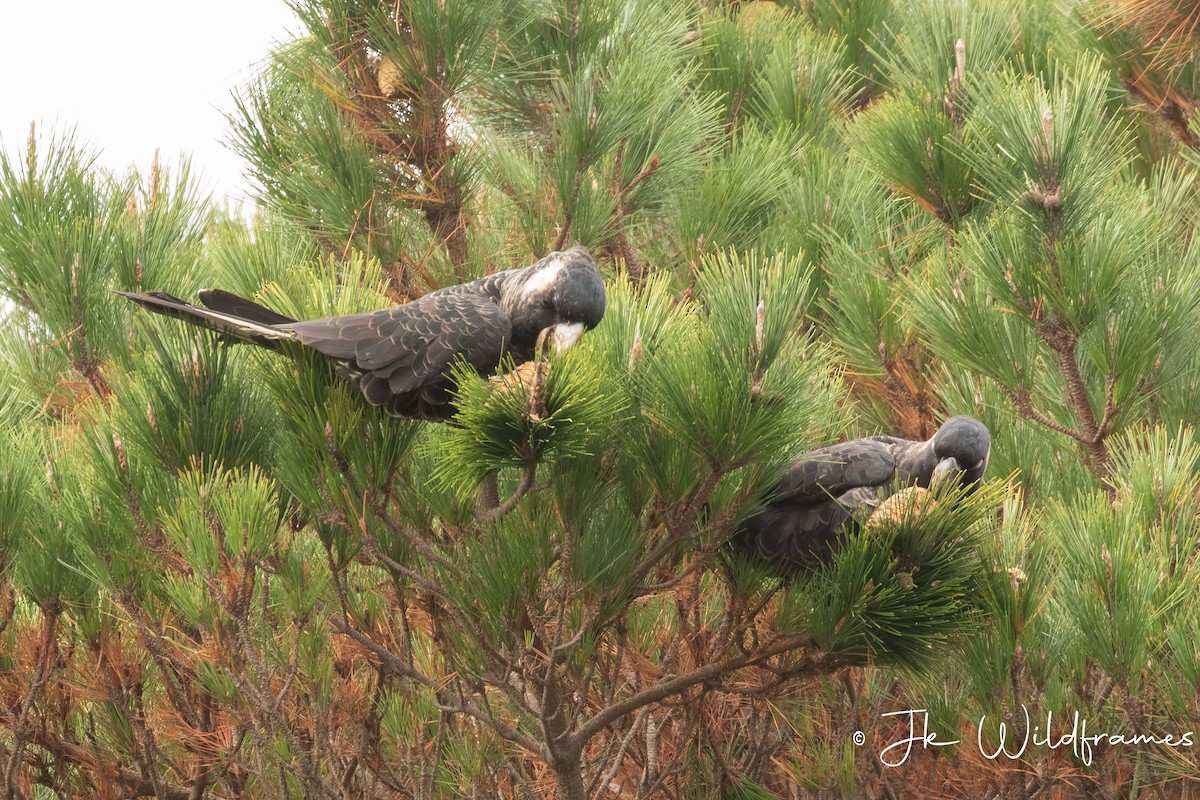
(599,785)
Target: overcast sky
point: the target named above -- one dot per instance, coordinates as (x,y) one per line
(135,75)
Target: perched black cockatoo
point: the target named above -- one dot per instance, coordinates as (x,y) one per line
(824,490)
(401,357)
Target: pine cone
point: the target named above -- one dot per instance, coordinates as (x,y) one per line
(391,82)
(520,379)
(903,504)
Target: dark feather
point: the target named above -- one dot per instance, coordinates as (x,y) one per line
(402,358)
(240,329)
(834,470)
(230,303)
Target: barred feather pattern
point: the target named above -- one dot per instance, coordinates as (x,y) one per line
(402,358)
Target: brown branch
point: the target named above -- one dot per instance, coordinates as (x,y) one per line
(735,112)
(1111,408)
(83,358)
(484,513)
(175,673)
(708,672)
(420,145)
(618,658)
(568,213)
(21,729)
(201,770)
(622,245)
(381,558)
(489,495)
(137,719)
(392,663)
(1063,344)
(602,780)
(489,506)
(270,720)
(698,564)
(1056,333)
(676,757)
(673,539)
(1166,102)
(556,721)
(292,668)
(378,505)
(652,732)
(645,172)
(104,769)
(1024,408)
(9,605)
(414,539)
(953,110)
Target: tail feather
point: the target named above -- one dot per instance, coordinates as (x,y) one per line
(242,329)
(235,306)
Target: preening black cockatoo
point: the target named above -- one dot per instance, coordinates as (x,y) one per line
(825,490)
(401,357)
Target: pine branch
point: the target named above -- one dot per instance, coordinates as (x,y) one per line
(202,769)
(568,213)
(420,141)
(394,665)
(489,508)
(1111,409)
(1024,407)
(22,730)
(379,507)
(270,718)
(85,361)
(150,756)
(174,671)
(817,661)
(623,246)
(1063,343)
(88,762)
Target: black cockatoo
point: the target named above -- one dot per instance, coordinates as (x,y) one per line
(824,490)
(401,357)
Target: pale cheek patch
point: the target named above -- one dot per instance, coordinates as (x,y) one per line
(566,335)
(543,279)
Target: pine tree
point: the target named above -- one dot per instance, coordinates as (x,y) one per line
(222,574)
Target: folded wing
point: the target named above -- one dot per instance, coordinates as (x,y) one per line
(815,497)
(401,357)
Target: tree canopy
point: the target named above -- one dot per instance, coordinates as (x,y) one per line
(222,574)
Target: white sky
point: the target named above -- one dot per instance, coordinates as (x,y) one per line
(135,75)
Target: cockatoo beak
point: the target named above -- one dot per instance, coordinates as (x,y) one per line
(946,468)
(566,335)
